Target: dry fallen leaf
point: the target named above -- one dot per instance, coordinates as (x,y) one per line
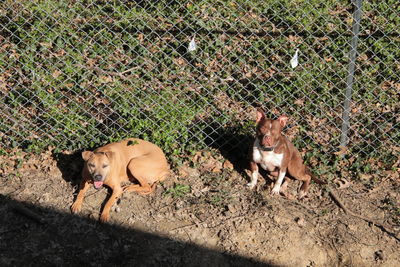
(300,221)
(342,151)
(186,171)
(299,102)
(217,167)
(365,176)
(343,183)
(227,165)
(56,74)
(212,165)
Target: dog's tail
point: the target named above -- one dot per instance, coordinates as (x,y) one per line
(315,179)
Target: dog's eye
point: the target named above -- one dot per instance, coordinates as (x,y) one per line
(105,166)
(91,165)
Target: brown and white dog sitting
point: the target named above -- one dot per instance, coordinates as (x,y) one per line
(276,154)
(133,160)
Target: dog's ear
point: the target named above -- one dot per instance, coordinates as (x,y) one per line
(109,154)
(283,120)
(86,155)
(260,115)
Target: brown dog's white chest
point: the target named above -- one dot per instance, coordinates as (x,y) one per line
(268,160)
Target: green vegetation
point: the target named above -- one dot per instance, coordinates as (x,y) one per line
(178,191)
(80,74)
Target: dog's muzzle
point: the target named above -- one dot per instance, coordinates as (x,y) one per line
(98,181)
(267,140)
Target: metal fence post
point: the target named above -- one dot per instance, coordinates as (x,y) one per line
(350,76)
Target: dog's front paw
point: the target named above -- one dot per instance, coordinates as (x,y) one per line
(302,194)
(250,185)
(104,217)
(76,207)
(275,191)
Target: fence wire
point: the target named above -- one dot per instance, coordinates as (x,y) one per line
(189,74)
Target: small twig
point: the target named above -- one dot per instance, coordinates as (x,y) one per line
(128,70)
(8,231)
(111,73)
(28,213)
(383,227)
(203,222)
(376,188)
(305,207)
(168,205)
(186,225)
(230,219)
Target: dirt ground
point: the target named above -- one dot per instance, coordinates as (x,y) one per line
(203,215)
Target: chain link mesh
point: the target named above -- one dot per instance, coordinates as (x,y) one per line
(76,74)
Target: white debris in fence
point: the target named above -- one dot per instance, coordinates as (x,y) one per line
(294,61)
(192,45)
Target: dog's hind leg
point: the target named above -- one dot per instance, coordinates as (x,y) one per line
(140,189)
(299,173)
(139,173)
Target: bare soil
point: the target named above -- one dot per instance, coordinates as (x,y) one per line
(218,222)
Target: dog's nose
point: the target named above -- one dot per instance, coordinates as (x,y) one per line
(98,177)
(268,140)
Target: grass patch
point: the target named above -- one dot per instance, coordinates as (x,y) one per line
(178,191)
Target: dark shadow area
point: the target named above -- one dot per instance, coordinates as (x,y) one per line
(70,166)
(232,145)
(39,236)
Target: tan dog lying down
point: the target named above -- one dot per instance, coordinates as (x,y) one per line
(128,160)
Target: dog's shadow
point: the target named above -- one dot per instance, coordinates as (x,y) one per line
(235,147)
(232,145)
(70,165)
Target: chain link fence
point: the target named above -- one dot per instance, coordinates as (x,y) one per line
(189,74)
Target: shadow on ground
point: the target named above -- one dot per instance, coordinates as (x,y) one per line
(32,235)
(70,166)
(232,145)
